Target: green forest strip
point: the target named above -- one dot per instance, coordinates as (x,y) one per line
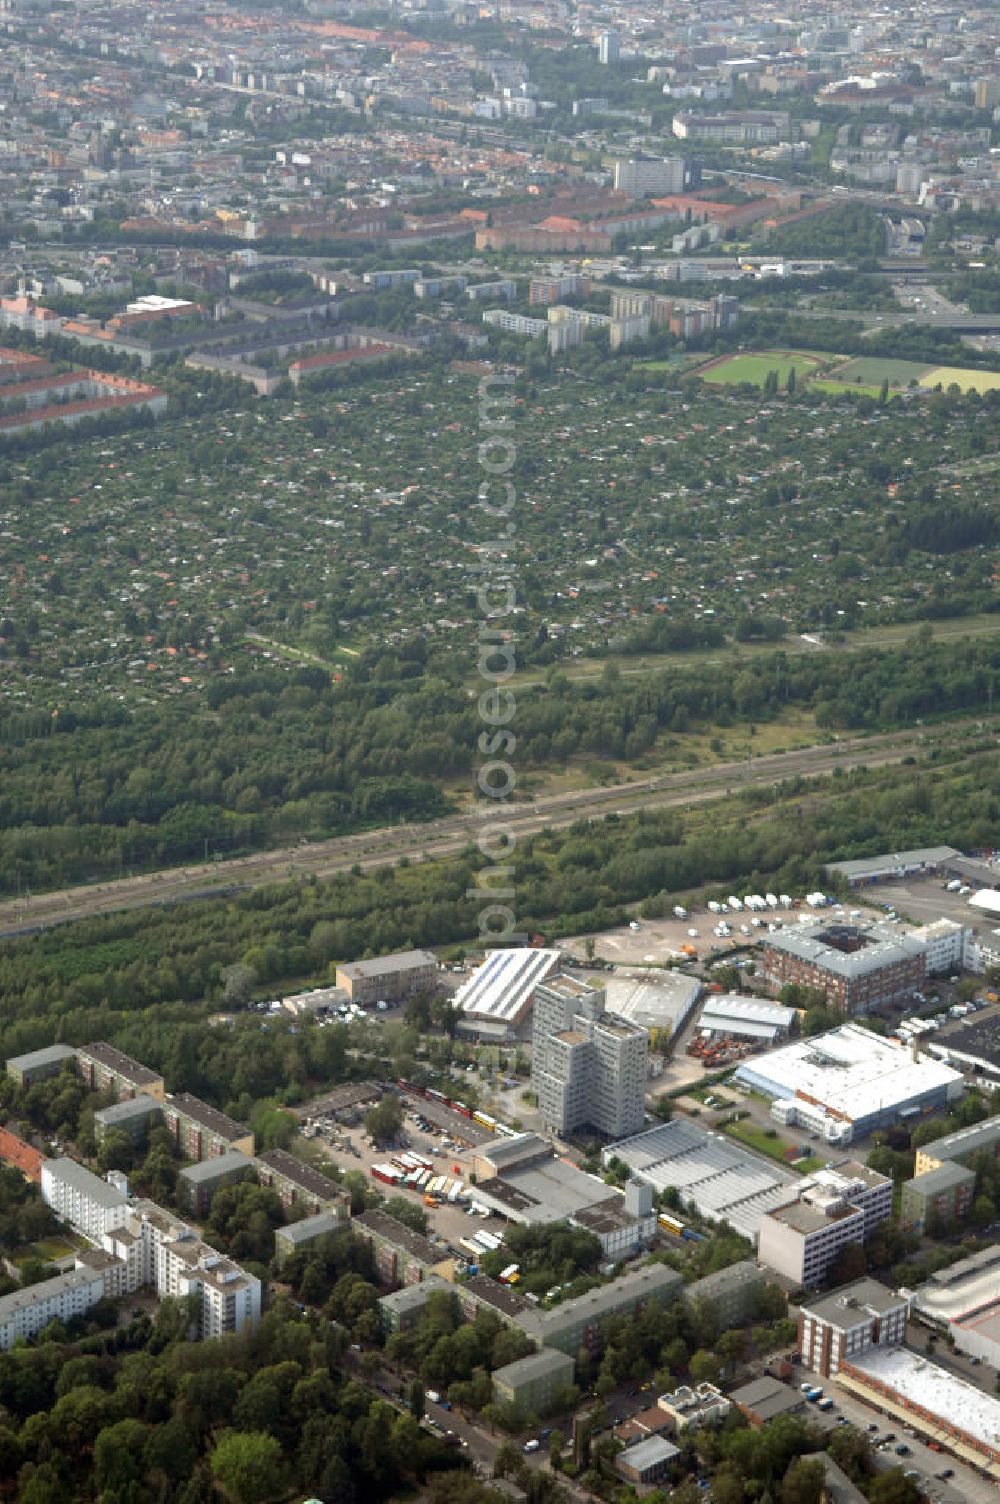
(280,755)
(148,980)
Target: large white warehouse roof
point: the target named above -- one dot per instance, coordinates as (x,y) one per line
(935,1390)
(652,999)
(725,1181)
(851,1071)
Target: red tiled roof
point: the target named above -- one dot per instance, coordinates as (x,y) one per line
(14,1151)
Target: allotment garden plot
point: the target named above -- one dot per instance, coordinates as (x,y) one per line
(154,567)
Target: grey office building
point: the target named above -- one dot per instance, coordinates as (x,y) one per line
(588,1066)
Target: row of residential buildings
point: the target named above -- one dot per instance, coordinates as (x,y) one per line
(134,1245)
(633,316)
(33,393)
(222,1148)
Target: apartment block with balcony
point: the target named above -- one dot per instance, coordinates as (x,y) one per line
(937,1197)
(197,1185)
(296,1236)
(577,1323)
(203,1132)
(82,1199)
(402,1256)
(175,1262)
(105,1068)
(25,1312)
(39,1065)
(958,1147)
(134,1116)
(299,1187)
(138,1244)
(732,1292)
(641,177)
(534,1382)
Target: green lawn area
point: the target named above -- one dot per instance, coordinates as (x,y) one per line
(47,1250)
(836,387)
(863,375)
(872,370)
(753,367)
(760,1139)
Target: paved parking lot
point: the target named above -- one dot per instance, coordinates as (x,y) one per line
(351,1149)
(453,1125)
(965,1485)
(656,941)
(920,899)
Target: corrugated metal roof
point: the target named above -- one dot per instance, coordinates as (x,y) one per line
(504,984)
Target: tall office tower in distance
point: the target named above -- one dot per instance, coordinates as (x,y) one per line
(609,47)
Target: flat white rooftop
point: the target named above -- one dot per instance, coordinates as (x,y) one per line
(653,999)
(937,1391)
(851,1070)
(503,986)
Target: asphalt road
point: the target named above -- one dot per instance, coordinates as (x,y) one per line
(965,1487)
(446,836)
(934,318)
(478,1444)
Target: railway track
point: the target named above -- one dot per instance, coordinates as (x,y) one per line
(451,833)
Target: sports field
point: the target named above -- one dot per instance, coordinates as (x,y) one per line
(866,373)
(863,375)
(753,368)
(962,376)
(872,370)
(837,388)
